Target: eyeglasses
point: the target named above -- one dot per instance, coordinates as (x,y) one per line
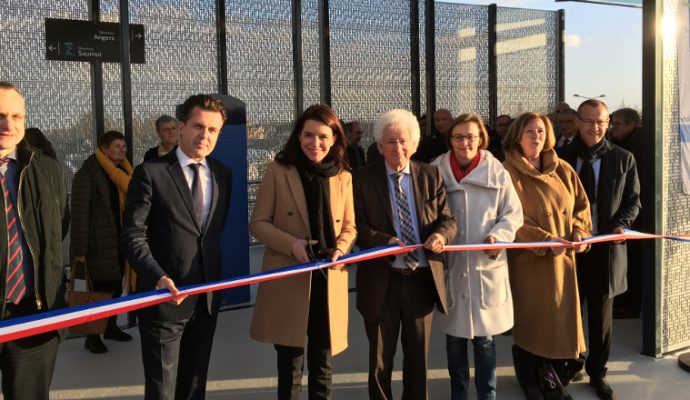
(535,134)
(590,122)
(462,138)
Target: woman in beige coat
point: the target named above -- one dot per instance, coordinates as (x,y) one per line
(548,325)
(303,212)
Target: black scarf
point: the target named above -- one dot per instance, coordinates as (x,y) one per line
(589,155)
(314,177)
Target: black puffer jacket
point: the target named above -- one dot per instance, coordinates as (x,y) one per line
(94,230)
(44,218)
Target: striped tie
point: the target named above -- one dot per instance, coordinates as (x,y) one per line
(14,284)
(405,218)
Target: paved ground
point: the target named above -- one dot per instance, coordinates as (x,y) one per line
(243,369)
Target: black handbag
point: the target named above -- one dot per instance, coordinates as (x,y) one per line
(549,382)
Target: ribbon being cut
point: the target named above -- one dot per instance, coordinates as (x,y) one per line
(18,328)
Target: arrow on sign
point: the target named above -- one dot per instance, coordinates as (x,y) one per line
(51,47)
(138,36)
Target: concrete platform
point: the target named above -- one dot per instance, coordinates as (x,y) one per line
(244,369)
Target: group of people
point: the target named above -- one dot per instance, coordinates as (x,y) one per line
(163,219)
(310,207)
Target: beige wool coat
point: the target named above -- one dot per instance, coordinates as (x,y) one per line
(280,217)
(546,303)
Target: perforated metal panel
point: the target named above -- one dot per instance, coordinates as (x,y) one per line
(260,73)
(181,60)
(526,60)
(462,64)
(310,52)
(675,274)
(58,94)
(370,59)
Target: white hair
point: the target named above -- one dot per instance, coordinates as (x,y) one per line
(397,117)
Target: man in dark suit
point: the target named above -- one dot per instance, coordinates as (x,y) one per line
(609,176)
(403,202)
(434,144)
(174,215)
(34,221)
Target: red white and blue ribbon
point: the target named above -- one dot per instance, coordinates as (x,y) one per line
(18,328)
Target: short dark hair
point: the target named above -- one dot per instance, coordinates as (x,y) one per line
(628,115)
(348,126)
(108,137)
(568,111)
(36,138)
(591,103)
(321,113)
(203,101)
(465,118)
(512,139)
(4,85)
(164,119)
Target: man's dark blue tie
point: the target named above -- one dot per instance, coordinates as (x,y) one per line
(197,194)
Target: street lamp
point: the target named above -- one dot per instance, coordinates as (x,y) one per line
(589,98)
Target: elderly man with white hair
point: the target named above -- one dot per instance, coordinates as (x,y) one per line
(398,201)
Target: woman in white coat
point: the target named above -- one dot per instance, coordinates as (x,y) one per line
(487,209)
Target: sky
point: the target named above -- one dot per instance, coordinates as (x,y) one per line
(603,51)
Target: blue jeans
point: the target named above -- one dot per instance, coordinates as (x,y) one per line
(484,367)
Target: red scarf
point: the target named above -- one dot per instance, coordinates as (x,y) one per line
(458,171)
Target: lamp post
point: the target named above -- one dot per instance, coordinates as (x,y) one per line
(589,98)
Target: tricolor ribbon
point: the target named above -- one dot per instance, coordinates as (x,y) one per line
(21,327)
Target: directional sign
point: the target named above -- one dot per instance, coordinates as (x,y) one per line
(75,40)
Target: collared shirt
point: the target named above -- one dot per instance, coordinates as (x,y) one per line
(562,139)
(596,165)
(9,171)
(204,173)
(409,193)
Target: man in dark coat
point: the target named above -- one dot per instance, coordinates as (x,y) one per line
(609,176)
(435,143)
(174,216)
(355,152)
(627,133)
(403,202)
(30,250)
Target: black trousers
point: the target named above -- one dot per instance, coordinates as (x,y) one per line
(291,359)
(176,354)
(407,312)
(593,289)
(638,252)
(27,364)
